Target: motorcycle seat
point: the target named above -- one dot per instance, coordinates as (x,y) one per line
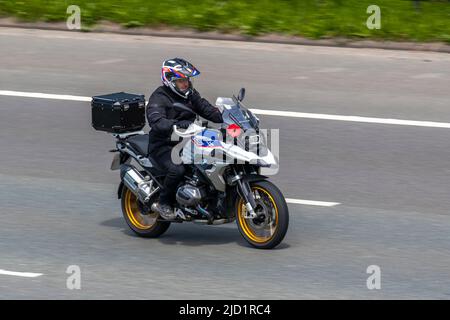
(139,143)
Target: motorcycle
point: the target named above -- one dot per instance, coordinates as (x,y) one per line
(223,181)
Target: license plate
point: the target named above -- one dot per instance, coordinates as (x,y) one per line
(115,165)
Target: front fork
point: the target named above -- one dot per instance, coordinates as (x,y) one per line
(247,195)
(245,191)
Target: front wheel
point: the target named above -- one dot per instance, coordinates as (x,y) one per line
(144,225)
(268,229)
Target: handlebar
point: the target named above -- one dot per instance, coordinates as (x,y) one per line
(193,129)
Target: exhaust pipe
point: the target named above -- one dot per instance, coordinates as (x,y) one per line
(140,186)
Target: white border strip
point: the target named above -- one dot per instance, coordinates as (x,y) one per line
(20,274)
(291,114)
(312,203)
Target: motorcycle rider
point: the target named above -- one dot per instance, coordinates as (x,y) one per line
(177,87)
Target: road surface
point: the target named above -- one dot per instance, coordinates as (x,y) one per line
(58,200)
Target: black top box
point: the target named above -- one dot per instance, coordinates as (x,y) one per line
(118,112)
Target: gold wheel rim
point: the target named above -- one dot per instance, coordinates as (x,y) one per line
(247,225)
(134,214)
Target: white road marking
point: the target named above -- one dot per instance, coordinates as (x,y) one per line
(43,95)
(289,114)
(300,78)
(329,70)
(20,274)
(293,114)
(427,76)
(109,61)
(312,203)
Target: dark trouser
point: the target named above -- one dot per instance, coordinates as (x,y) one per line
(174,174)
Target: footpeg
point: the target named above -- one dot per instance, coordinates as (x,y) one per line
(208,215)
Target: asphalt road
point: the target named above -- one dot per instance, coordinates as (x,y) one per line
(58,201)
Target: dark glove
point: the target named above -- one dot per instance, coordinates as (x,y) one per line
(183,124)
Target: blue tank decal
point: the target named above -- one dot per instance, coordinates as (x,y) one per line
(207,139)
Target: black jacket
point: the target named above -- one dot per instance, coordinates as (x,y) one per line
(161,116)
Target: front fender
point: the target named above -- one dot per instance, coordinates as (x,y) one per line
(119,190)
(254,177)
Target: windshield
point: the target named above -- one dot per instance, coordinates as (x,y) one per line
(234,111)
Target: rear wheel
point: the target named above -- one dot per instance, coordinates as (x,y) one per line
(144,225)
(268,229)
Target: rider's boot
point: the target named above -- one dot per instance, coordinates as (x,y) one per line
(165,210)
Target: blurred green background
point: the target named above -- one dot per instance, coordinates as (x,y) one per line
(400,19)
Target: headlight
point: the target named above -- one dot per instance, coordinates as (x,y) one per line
(253,139)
